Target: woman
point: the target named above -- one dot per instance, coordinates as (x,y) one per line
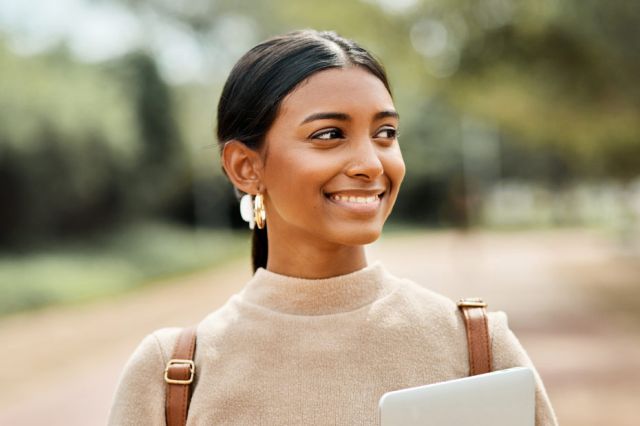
(308,128)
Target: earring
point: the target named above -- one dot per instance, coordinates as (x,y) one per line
(259,213)
(246,210)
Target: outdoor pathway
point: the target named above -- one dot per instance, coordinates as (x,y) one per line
(571,296)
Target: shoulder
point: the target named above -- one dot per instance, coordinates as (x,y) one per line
(428,308)
(420,309)
(507,350)
(164,340)
(139,395)
(421,301)
(155,348)
(421,295)
(425,302)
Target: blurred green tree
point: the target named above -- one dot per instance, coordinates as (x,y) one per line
(83,146)
(65,139)
(161,179)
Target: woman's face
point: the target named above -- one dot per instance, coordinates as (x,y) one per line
(332,165)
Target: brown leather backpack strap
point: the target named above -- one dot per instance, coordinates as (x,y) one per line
(179,375)
(478,339)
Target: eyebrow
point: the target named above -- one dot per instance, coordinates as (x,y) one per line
(346,117)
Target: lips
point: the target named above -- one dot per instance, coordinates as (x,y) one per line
(350,194)
(357,201)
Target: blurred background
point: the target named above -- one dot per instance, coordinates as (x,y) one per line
(520,132)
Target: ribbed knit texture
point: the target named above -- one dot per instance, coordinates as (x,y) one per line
(292,351)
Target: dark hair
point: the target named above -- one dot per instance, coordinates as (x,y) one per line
(265,75)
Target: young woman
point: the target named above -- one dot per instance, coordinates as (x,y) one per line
(308,129)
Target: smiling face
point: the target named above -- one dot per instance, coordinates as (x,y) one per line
(332,166)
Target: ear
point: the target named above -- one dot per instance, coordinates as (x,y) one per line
(243,166)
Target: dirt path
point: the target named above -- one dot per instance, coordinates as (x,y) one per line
(571,296)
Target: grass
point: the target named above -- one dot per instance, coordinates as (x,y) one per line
(109,264)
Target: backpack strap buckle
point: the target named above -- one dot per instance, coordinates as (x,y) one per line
(471,302)
(176,372)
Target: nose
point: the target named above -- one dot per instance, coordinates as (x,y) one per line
(365,160)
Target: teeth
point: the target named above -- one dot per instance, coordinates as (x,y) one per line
(352,199)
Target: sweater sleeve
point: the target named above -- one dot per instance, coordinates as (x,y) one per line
(139,397)
(508,353)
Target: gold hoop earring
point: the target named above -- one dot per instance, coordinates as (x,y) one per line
(259,213)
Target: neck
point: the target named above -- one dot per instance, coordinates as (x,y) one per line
(309,260)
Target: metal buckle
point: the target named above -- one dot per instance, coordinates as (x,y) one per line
(474,302)
(192,370)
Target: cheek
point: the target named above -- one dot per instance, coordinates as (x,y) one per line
(394,167)
(295,184)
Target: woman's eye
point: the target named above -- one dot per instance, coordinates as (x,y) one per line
(328,134)
(387,133)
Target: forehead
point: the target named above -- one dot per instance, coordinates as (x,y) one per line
(351,90)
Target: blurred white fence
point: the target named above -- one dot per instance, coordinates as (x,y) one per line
(610,205)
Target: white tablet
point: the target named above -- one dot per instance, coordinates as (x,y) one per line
(500,398)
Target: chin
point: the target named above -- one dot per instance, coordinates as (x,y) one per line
(359,237)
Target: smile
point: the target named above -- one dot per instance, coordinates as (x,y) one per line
(361,203)
(353,199)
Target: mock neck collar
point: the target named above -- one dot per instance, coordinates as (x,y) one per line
(322,296)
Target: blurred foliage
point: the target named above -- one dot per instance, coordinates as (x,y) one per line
(85,146)
(539,90)
(162,175)
(67,134)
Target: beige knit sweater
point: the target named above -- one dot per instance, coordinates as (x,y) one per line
(292,351)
